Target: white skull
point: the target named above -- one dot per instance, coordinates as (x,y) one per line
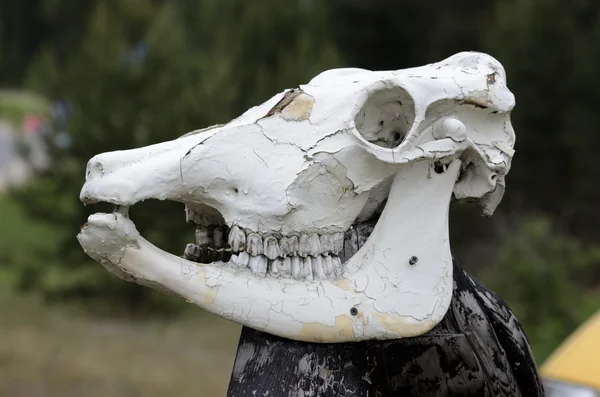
(286,188)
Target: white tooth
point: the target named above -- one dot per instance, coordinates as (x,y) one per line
(242,259)
(306,266)
(203,236)
(296,267)
(271,247)
(192,252)
(284,246)
(304,246)
(326,241)
(286,267)
(258,265)
(328,266)
(218,240)
(315,245)
(288,245)
(254,244)
(337,266)
(317,268)
(237,239)
(338,243)
(275,266)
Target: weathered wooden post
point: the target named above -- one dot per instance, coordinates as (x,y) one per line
(322,227)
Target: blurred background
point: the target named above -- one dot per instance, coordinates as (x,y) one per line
(82,77)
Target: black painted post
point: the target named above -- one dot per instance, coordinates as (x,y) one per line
(479,349)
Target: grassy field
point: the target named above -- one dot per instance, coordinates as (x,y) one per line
(57,351)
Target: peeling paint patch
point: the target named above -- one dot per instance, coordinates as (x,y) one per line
(316,332)
(211,293)
(343,283)
(480,102)
(299,109)
(397,325)
(288,97)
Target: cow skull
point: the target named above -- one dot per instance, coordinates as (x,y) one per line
(285,199)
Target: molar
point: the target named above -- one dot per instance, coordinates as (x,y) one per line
(306,268)
(296,267)
(326,241)
(338,242)
(317,268)
(315,245)
(275,266)
(237,239)
(337,266)
(218,240)
(241,259)
(258,265)
(254,244)
(328,266)
(304,246)
(192,252)
(271,247)
(204,237)
(288,245)
(286,267)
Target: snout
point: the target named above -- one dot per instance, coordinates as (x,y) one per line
(128,176)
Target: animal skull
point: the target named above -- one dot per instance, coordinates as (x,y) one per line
(285,197)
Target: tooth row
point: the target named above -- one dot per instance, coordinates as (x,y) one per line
(320,267)
(303,246)
(304,257)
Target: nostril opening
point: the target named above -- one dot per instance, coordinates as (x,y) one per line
(397,136)
(236,190)
(98,167)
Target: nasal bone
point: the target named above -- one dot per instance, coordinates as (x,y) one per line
(107,163)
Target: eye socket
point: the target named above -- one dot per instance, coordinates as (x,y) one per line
(386,117)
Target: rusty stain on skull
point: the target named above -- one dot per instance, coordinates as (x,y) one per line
(277,193)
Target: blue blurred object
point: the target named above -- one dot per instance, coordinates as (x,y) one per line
(63,140)
(137,55)
(60,110)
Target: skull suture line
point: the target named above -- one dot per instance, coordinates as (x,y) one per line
(285,195)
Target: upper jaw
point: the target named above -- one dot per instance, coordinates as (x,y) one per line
(302,255)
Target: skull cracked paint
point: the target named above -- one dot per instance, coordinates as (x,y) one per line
(322,214)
